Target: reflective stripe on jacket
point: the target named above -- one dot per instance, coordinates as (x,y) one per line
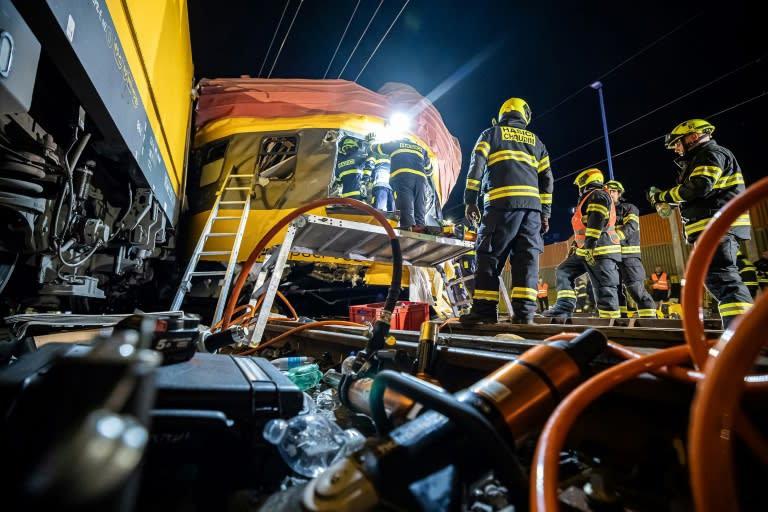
(710,177)
(628,229)
(512,164)
(405,157)
(599,232)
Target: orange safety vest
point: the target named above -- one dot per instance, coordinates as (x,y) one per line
(580,229)
(543,290)
(660,282)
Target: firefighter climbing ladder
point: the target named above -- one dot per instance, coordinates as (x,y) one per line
(235,194)
(341,238)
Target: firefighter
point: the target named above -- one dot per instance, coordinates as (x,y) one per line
(513,165)
(410,168)
(543,295)
(762,271)
(350,164)
(631,271)
(659,286)
(596,250)
(748,273)
(709,177)
(381,192)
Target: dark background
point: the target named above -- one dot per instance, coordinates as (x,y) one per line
(660,63)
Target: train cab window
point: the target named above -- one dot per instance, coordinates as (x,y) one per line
(212,163)
(277,158)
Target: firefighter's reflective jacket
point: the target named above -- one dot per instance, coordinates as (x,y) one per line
(513,166)
(405,157)
(349,171)
(628,229)
(594,222)
(709,177)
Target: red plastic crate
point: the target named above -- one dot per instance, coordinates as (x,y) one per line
(407,316)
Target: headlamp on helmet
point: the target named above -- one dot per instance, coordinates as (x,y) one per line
(691,126)
(593,175)
(517,105)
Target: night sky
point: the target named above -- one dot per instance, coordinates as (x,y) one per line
(660,64)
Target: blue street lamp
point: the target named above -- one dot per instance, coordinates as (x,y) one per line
(598,86)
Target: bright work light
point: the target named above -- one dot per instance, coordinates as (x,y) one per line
(399,122)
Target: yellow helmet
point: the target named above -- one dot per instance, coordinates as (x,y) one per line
(686,127)
(589,176)
(518,105)
(615,185)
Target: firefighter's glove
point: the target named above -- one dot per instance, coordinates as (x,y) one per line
(472,213)
(370,137)
(654,195)
(544,224)
(588,255)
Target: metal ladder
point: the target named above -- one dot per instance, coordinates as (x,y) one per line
(241,185)
(458,303)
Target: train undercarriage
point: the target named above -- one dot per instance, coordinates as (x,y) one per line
(86,200)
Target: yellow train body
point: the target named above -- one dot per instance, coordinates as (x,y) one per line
(156,43)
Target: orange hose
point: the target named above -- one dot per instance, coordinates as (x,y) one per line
(294,314)
(248,315)
(451,320)
(294,330)
(698,264)
(261,245)
(294,317)
(676,372)
(258,302)
(544,478)
(237,321)
(716,413)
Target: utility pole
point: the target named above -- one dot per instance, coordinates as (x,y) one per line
(598,86)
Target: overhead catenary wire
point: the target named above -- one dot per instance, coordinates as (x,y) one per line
(274,36)
(382,39)
(659,137)
(343,34)
(285,37)
(650,45)
(665,105)
(622,63)
(361,38)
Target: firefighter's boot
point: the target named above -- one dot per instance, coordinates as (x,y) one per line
(561,309)
(483,312)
